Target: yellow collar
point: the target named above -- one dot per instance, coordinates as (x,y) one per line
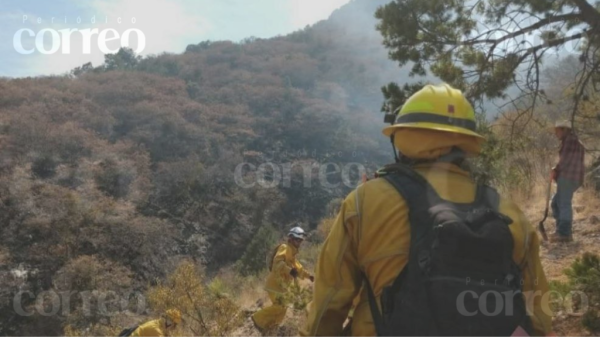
(293,250)
(442,166)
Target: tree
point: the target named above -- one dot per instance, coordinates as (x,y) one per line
(486,47)
(263,242)
(87,67)
(125,58)
(195,48)
(395,96)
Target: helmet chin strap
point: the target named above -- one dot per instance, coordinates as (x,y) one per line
(396,159)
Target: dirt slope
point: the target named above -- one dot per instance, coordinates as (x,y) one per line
(557,257)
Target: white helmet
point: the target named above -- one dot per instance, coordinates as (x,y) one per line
(297,232)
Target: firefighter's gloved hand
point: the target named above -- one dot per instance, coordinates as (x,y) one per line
(294,272)
(311,278)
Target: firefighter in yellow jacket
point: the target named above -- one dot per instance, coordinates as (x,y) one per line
(371,233)
(284,269)
(160,327)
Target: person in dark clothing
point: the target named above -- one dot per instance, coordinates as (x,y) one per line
(568,174)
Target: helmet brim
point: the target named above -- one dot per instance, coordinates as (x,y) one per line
(388,131)
(297,236)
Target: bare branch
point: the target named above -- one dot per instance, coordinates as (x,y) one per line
(584,80)
(523,31)
(550,44)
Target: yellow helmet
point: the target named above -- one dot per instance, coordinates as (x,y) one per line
(437,107)
(174,315)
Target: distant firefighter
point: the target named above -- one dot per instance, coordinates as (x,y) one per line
(284,269)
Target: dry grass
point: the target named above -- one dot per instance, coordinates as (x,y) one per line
(558,257)
(248,291)
(207,309)
(588,203)
(586,235)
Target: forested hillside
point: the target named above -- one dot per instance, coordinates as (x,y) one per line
(173,175)
(127,167)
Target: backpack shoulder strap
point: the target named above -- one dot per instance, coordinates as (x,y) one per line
(418,195)
(486,196)
(128,331)
(273,253)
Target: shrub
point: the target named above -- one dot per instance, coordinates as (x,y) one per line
(591,321)
(297,296)
(487,167)
(44,167)
(98,281)
(562,289)
(262,244)
(584,275)
(207,311)
(114,180)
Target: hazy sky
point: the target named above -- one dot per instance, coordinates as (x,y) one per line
(42,37)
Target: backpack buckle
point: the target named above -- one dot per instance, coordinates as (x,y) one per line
(510,280)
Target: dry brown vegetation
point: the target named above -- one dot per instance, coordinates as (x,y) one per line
(128,168)
(121,177)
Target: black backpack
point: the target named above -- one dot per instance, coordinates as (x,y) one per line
(128,331)
(460,279)
(271,256)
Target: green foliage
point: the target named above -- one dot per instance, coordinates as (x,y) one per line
(584,273)
(218,288)
(487,168)
(85,68)
(560,292)
(297,296)
(591,321)
(395,96)
(480,48)
(193,89)
(198,47)
(563,288)
(124,59)
(257,252)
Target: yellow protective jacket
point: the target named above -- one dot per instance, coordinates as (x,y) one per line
(372,234)
(279,278)
(151,328)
